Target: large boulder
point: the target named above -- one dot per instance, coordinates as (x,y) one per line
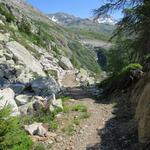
(36,129)
(22,54)
(7,98)
(143,114)
(23,99)
(45,86)
(65,63)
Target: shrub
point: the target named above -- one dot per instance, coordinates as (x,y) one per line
(6,12)
(24,26)
(132,66)
(12,137)
(122,80)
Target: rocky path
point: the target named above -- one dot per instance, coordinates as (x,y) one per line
(87,134)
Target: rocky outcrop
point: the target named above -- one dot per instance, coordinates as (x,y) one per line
(22,54)
(83,76)
(65,63)
(141,100)
(143,115)
(45,86)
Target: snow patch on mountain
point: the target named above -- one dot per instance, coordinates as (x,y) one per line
(106,20)
(54,19)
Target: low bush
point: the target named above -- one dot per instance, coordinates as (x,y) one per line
(123,80)
(4,10)
(24,26)
(12,136)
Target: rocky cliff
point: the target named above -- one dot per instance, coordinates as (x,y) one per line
(141,100)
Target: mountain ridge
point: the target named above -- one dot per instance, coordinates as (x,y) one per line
(67,19)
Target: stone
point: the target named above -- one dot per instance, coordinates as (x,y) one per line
(143,114)
(26,109)
(18,87)
(22,54)
(65,63)
(23,99)
(4,37)
(8,56)
(45,86)
(7,98)
(41,131)
(39,98)
(1,73)
(55,104)
(36,129)
(38,105)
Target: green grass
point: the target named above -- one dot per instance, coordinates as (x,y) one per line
(79,108)
(76,121)
(65,98)
(39,147)
(54,125)
(69,129)
(85,115)
(66,109)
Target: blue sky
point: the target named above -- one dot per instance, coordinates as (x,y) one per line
(80,8)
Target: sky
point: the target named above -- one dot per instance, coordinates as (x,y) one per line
(79,8)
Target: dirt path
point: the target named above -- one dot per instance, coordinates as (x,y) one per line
(87,134)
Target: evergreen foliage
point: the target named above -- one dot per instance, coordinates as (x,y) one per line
(135,23)
(12,137)
(4,10)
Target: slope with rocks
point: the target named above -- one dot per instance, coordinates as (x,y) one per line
(36,53)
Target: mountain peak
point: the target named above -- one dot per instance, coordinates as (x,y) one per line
(106,19)
(66,19)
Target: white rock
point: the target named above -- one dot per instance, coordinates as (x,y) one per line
(36,129)
(4,37)
(24,55)
(55,104)
(22,99)
(7,98)
(65,63)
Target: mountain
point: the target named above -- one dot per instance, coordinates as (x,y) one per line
(99,29)
(63,18)
(67,19)
(105,19)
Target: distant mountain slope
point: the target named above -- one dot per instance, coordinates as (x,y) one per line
(67,19)
(100,28)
